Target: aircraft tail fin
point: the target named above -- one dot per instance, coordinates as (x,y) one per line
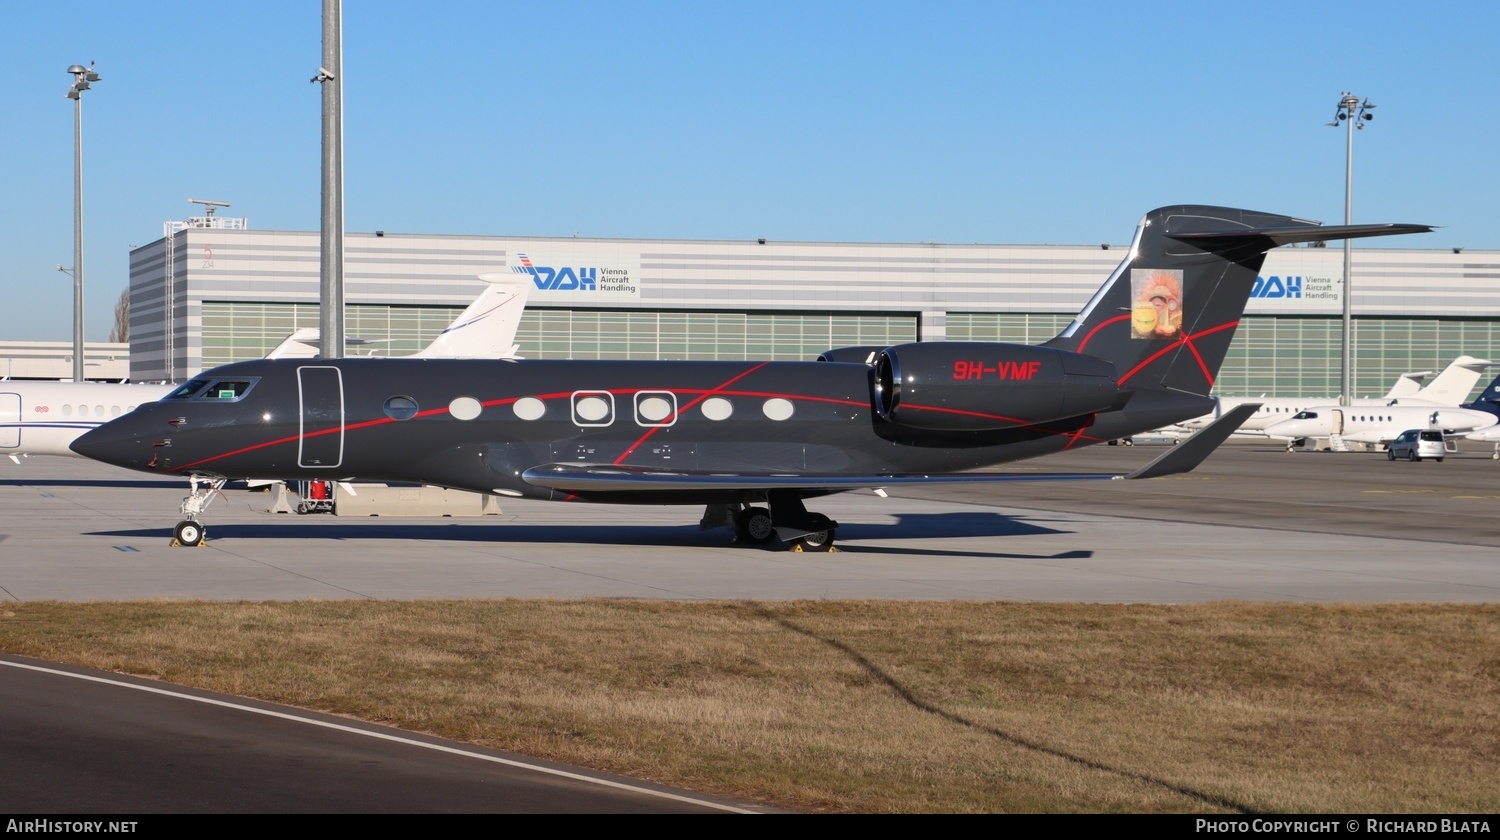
(487,328)
(302,344)
(1488,398)
(1452,386)
(1166,316)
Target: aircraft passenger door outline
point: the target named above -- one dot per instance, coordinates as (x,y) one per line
(320,427)
(10,421)
(1338,421)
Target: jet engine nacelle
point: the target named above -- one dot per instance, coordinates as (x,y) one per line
(978,386)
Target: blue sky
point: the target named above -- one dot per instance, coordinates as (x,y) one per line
(854,121)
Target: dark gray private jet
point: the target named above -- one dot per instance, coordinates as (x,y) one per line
(749,440)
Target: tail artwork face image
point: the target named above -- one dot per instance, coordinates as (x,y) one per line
(751,441)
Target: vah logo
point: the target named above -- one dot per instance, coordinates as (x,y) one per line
(564,279)
(1277,287)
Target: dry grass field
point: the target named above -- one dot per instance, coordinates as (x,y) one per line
(878,706)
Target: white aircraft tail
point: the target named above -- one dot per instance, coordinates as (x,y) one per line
(302,344)
(487,329)
(1452,386)
(1407,385)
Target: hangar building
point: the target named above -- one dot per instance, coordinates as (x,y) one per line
(237,292)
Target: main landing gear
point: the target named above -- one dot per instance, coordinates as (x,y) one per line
(785,519)
(189,532)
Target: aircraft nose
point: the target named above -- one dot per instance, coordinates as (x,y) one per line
(1285,429)
(120,442)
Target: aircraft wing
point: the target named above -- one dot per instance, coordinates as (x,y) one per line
(600,478)
(606,478)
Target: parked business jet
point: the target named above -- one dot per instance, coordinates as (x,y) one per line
(1448,389)
(1376,425)
(44,418)
(749,440)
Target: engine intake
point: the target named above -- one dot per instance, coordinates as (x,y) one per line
(979,386)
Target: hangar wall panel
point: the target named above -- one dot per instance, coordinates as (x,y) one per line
(236,293)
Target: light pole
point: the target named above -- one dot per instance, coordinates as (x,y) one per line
(82,76)
(331,293)
(1353,113)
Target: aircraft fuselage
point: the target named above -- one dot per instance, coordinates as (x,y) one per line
(479,425)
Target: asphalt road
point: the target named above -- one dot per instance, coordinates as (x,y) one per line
(85,742)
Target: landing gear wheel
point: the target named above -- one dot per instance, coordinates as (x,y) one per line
(188,533)
(753,526)
(816,541)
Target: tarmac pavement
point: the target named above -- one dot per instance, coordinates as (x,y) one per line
(1252,523)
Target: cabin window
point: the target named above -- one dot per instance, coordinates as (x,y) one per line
(717,408)
(465,408)
(401,408)
(777,408)
(593,408)
(67,411)
(655,408)
(529,408)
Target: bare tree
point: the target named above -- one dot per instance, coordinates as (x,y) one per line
(121,332)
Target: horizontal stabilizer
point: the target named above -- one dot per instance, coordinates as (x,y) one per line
(1190,453)
(1293,234)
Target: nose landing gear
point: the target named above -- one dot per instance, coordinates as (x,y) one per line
(190,532)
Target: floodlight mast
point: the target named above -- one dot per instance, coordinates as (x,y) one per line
(1352,113)
(82,77)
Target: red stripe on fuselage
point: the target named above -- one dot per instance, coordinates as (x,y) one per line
(701,397)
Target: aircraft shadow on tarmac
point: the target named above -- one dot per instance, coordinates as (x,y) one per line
(907,527)
(146,483)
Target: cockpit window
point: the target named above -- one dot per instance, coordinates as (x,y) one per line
(187,389)
(1306,415)
(226,390)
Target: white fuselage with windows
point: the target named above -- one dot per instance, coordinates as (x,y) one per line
(1377,424)
(42,418)
(1449,388)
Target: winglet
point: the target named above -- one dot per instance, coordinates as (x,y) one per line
(1191,452)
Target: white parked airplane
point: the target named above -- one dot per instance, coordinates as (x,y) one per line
(1376,424)
(1448,389)
(44,417)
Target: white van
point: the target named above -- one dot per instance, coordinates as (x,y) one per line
(1416,444)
